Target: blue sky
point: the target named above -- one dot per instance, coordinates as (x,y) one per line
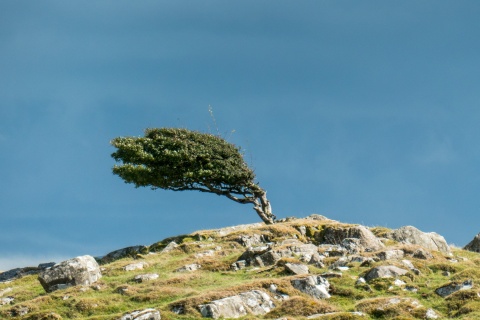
(364,111)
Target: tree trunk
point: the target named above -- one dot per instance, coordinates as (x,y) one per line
(264,208)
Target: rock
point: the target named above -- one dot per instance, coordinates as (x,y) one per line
(360,281)
(421,253)
(252,240)
(83,270)
(17,273)
(264,256)
(315,286)
(135,266)
(431,314)
(452,287)
(328,275)
(5,291)
(7,300)
(332,250)
(189,268)
(43,266)
(385,272)
(352,245)
(146,314)
(336,234)
(318,217)
(296,268)
(146,277)
(238,265)
(392,307)
(473,245)
(208,253)
(391,254)
(132,251)
(253,302)
(19,311)
(429,241)
(171,246)
(278,294)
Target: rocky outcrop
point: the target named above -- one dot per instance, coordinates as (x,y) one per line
(385,272)
(315,286)
(296,268)
(253,302)
(129,252)
(22,272)
(411,235)
(473,245)
(338,233)
(145,277)
(83,270)
(146,314)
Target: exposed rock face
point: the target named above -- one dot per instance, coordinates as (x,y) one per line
(430,241)
(252,302)
(336,235)
(473,245)
(83,270)
(391,254)
(146,314)
(454,287)
(124,253)
(252,240)
(315,286)
(384,272)
(18,273)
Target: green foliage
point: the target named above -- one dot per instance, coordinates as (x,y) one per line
(180,159)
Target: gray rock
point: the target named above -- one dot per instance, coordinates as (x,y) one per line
(336,235)
(17,273)
(132,251)
(7,300)
(385,272)
(430,241)
(296,268)
(171,246)
(318,217)
(391,254)
(252,240)
(238,265)
(189,268)
(431,314)
(145,277)
(473,245)
(46,265)
(5,291)
(352,245)
(421,253)
(452,287)
(146,314)
(315,286)
(135,266)
(83,270)
(253,302)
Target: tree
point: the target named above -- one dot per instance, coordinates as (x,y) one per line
(180,159)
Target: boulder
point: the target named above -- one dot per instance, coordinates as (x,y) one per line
(473,245)
(423,254)
(452,287)
(430,240)
(83,270)
(132,251)
(391,254)
(296,268)
(252,240)
(385,272)
(315,286)
(146,314)
(253,302)
(336,234)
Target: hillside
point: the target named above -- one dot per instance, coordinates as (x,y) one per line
(313,268)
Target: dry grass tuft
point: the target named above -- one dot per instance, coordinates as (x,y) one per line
(301,306)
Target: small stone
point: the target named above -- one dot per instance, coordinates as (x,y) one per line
(360,281)
(411,289)
(431,314)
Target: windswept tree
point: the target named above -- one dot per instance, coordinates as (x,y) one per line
(181,159)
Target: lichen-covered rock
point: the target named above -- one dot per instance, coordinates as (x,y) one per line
(336,235)
(385,272)
(146,314)
(253,302)
(430,240)
(83,270)
(132,251)
(315,286)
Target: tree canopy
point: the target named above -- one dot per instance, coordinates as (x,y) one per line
(181,159)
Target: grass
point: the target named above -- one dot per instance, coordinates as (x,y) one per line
(116,293)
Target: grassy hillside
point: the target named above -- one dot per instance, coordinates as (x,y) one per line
(215,250)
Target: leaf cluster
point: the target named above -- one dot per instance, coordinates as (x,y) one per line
(181,159)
